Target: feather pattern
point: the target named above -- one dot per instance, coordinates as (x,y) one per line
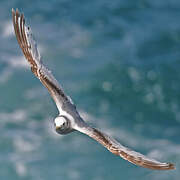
(118,149)
(29,47)
(64,103)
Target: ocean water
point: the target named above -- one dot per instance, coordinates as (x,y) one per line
(120,63)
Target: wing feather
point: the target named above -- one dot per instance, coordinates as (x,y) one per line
(29,48)
(124,152)
(30,51)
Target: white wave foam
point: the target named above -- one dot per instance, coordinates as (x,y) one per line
(21,169)
(13,62)
(35,92)
(18,115)
(17,62)
(73,174)
(23,145)
(107,86)
(5,75)
(75,37)
(7,29)
(134,74)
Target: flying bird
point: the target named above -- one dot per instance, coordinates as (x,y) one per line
(69,119)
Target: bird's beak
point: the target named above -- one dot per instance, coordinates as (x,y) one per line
(58,127)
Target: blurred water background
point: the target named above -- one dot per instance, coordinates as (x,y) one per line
(120,63)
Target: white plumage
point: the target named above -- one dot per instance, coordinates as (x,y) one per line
(69,118)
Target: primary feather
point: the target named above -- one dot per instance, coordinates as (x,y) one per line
(65,105)
(29,47)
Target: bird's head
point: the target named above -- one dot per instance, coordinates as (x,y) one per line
(62,125)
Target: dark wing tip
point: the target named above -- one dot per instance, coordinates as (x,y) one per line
(143,162)
(167,166)
(17,12)
(171,166)
(127,154)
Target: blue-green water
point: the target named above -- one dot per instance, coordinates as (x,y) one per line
(119,61)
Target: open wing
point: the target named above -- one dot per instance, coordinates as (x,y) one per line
(29,47)
(127,154)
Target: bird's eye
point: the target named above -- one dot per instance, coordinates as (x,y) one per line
(63,123)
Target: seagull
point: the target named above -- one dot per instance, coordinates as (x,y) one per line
(69,119)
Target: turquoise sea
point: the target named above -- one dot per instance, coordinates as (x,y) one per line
(120,63)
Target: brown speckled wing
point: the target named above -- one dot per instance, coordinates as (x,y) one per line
(29,47)
(127,154)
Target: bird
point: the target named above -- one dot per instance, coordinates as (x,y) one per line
(69,119)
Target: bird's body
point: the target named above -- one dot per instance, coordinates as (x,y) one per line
(69,119)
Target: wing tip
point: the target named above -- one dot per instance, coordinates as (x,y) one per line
(12,10)
(171,166)
(15,11)
(165,166)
